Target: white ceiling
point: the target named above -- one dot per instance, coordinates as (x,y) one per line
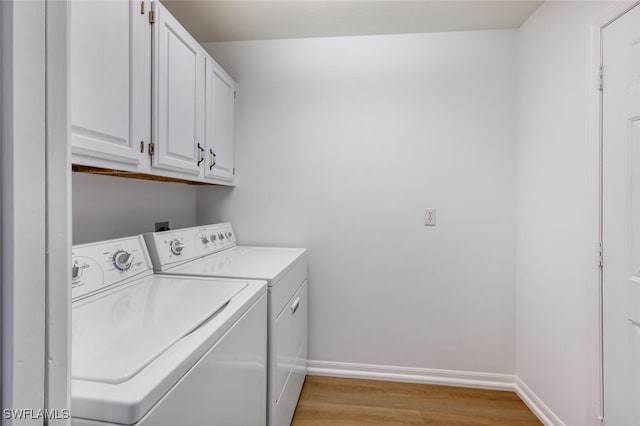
(210,20)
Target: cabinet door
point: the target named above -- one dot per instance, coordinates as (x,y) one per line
(219,122)
(110,88)
(178,97)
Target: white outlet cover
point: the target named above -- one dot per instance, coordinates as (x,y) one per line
(429,217)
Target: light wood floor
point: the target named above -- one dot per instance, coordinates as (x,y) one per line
(334,401)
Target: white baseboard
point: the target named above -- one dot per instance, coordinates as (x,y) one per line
(432,376)
(536,405)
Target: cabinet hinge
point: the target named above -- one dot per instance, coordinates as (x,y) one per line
(141,146)
(234,94)
(601,83)
(234,171)
(600,254)
(142,7)
(152,149)
(152,17)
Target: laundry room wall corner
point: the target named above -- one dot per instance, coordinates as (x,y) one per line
(212,204)
(341,144)
(557,210)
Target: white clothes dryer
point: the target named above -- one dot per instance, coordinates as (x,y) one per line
(211,251)
(154,350)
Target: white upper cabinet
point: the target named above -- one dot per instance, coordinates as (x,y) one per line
(145,96)
(219,122)
(178,94)
(110,57)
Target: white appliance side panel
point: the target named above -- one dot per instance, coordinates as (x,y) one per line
(288,337)
(283,411)
(227,386)
(281,291)
(85,422)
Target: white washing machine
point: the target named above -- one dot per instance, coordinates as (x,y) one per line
(211,251)
(154,350)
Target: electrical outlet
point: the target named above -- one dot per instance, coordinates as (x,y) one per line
(429,217)
(162,226)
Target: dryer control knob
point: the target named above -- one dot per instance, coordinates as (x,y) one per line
(122,260)
(204,239)
(176,247)
(220,236)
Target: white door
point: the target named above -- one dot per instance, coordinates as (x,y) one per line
(178,96)
(219,122)
(110,66)
(621,220)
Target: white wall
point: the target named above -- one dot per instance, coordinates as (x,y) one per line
(556,230)
(341,144)
(106,207)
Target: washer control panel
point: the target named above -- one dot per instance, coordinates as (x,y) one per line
(98,266)
(169,248)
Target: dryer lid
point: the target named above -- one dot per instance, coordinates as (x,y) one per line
(264,263)
(117,334)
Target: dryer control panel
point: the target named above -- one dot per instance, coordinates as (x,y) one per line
(171,248)
(98,266)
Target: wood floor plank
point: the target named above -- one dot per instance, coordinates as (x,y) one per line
(442,405)
(420,397)
(447,419)
(309,413)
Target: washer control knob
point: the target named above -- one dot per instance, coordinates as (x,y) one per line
(220,236)
(229,234)
(122,260)
(204,239)
(176,247)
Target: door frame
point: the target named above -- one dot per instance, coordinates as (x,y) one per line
(35,208)
(23,204)
(594,132)
(58,212)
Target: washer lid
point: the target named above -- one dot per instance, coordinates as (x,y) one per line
(264,263)
(117,334)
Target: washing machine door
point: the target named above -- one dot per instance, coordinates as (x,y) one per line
(116,335)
